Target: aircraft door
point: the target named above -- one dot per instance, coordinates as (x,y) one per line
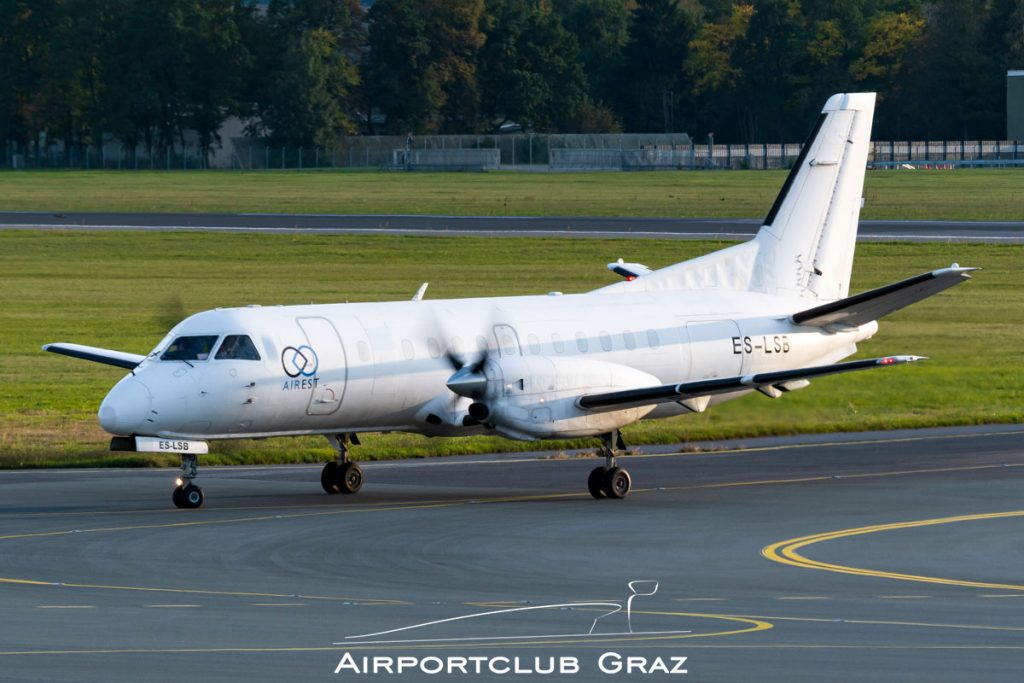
(322,361)
(711,349)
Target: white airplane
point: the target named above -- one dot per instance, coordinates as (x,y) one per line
(767,315)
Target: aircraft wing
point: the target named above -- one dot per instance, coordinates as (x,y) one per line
(667,393)
(867,306)
(128,361)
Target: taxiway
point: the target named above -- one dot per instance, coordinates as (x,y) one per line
(883,557)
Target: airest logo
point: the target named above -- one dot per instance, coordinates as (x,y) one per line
(300,360)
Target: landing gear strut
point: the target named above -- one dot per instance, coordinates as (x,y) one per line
(187,494)
(342,475)
(610,481)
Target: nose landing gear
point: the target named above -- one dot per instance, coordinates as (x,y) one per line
(610,480)
(342,475)
(187,494)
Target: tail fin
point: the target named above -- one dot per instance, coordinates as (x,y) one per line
(805,247)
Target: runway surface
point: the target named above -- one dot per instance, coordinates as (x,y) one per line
(577,226)
(883,557)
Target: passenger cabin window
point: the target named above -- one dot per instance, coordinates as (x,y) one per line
(534,343)
(190,348)
(557,343)
(237,347)
(364,351)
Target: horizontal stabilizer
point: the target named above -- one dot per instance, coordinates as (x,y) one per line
(128,361)
(706,387)
(630,271)
(862,308)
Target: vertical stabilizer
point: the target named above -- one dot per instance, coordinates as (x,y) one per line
(807,241)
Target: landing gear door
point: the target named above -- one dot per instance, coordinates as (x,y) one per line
(323,362)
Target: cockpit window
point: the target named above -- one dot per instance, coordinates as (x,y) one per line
(190,348)
(237,347)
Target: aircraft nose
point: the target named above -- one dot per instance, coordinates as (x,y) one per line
(125,407)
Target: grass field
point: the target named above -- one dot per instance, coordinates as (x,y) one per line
(123,290)
(975,194)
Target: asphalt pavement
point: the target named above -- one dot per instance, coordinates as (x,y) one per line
(498,226)
(880,556)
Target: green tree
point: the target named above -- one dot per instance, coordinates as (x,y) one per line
(421,66)
(954,85)
(26,29)
(891,37)
(649,80)
(305,84)
(531,73)
(169,67)
(601,28)
(710,65)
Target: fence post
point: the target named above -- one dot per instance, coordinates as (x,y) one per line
(283,148)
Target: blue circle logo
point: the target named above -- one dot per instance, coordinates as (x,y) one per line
(299,361)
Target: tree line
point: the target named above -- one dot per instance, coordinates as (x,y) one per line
(303,72)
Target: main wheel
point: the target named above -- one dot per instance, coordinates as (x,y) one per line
(595,482)
(189,496)
(329,477)
(617,483)
(349,478)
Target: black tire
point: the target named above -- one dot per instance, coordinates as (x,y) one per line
(192,496)
(349,478)
(595,482)
(329,477)
(617,483)
(178,496)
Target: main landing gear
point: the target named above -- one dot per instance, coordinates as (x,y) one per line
(187,494)
(610,481)
(342,475)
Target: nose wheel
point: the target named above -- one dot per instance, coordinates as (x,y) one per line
(186,494)
(342,475)
(610,480)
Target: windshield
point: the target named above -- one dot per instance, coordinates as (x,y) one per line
(237,347)
(190,348)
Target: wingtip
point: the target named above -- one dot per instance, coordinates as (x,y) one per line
(900,360)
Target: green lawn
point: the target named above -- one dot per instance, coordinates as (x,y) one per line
(975,194)
(123,290)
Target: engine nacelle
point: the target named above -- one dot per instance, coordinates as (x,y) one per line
(534,397)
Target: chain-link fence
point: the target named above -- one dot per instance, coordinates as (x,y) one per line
(524,152)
